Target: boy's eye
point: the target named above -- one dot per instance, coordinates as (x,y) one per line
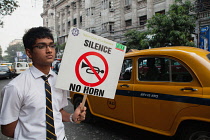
(41,46)
(44,46)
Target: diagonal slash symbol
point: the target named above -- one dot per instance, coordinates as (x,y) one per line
(100,79)
(91,67)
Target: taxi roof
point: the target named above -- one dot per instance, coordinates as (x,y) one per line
(195,58)
(167,50)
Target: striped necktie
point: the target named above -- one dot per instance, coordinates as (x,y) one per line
(50,129)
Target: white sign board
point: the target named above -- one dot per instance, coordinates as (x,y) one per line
(91,64)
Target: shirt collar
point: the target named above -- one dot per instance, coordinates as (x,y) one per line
(37,73)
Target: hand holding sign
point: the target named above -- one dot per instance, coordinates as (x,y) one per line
(80,112)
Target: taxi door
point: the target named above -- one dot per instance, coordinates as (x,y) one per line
(119,108)
(163,88)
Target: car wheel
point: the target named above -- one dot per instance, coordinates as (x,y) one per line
(10,77)
(194,132)
(89,116)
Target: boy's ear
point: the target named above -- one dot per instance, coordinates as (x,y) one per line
(29,53)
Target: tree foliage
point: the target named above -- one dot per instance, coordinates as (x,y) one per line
(12,51)
(172,29)
(133,38)
(60,46)
(6,8)
(59,49)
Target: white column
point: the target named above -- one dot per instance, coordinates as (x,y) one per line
(56,25)
(134,13)
(61,22)
(122,14)
(71,15)
(150,9)
(168,4)
(66,19)
(78,13)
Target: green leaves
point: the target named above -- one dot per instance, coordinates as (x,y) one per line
(172,29)
(133,39)
(11,51)
(6,8)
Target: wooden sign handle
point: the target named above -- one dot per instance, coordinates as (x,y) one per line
(83,100)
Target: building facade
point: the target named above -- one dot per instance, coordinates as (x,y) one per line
(15,41)
(113,18)
(107,18)
(203,23)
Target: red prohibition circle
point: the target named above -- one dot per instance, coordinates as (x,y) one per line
(84,57)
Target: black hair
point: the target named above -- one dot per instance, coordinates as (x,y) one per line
(30,37)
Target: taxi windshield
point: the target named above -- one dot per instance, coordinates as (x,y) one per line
(3,68)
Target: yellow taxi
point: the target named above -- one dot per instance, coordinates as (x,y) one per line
(9,65)
(30,64)
(162,90)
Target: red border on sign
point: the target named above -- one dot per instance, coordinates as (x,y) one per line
(84,57)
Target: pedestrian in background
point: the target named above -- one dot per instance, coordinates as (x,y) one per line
(31,106)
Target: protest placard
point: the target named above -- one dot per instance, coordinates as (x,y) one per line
(91,64)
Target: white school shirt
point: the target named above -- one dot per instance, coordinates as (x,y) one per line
(23,99)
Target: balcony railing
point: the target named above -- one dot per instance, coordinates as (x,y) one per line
(204,14)
(202,5)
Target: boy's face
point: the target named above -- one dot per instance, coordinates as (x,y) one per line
(43,52)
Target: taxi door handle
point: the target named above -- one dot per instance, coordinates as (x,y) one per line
(188,89)
(124,85)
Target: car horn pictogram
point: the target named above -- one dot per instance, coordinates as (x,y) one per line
(89,71)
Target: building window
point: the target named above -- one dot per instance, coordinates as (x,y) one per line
(91,30)
(63,27)
(68,13)
(87,12)
(111,4)
(127,2)
(142,20)
(162,12)
(75,21)
(128,23)
(69,25)
(108,27)
(73,4)
(202,5)
(104,27)
(80,19)
(104,4)
(58,27)
(90,11)
(111,27)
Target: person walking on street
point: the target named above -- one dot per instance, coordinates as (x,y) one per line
(31,106)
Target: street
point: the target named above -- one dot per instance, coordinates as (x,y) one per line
(99,130)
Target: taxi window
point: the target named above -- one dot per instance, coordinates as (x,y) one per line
(126,70)
(148,69)
(162,69)
(179,72)
(19,65)
(208,56)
